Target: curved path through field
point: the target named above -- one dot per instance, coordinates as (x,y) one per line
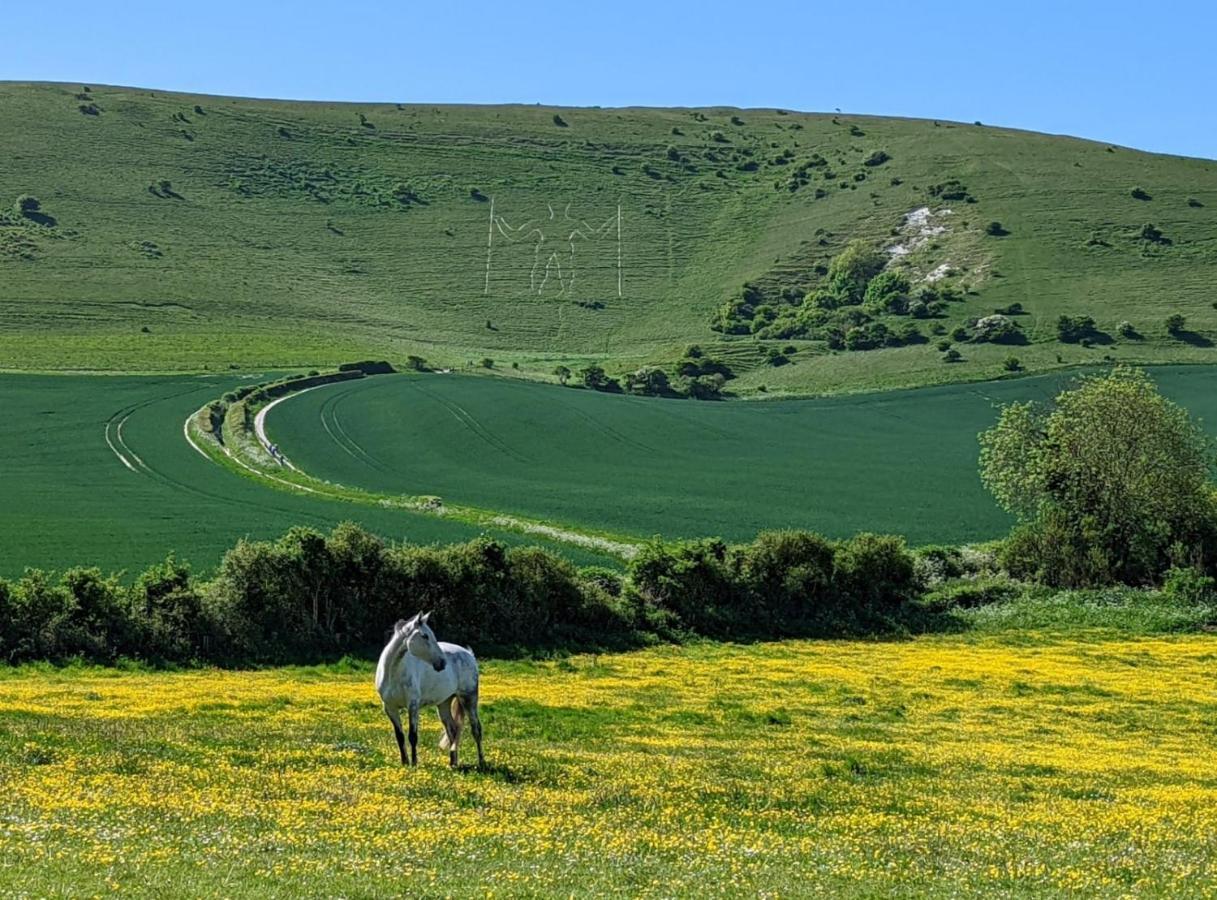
(903,462)
(97,472)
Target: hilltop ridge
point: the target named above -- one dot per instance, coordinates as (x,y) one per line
(186,232)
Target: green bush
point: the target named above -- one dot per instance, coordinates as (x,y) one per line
(1074,329)
(1092,513)
(1175,323)
(1189,585)
(874,572)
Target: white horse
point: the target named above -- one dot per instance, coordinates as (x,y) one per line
(416,670)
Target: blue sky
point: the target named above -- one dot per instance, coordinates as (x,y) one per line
(1140,74)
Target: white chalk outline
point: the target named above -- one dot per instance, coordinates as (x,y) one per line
(581,230)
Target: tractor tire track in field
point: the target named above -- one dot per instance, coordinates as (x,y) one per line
(117,443)
(114,430)
(608,429)
(463,416)
(342,438)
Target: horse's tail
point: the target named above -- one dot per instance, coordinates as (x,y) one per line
(458,718)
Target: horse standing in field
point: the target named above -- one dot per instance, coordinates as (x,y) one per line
(416,670)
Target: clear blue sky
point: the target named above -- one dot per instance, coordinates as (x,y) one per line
(1142,74)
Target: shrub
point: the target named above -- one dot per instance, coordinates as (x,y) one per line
(874,572)
(1140,194)
(995,229)
(1194,203)
(943,346)
(1012,364)
(1126,330)
(559,121)
(595,378)
(27,205)
(1175,323)
(788,578)
(417,363)
(704,387)
(1072,329)
(997,329)
(887,292)
(1189,585)
(1152,234)
(562,373)
(649,380)
(368,367)
(486,362)
(878,158)
(952,356)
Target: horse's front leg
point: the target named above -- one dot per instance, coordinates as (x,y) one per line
(395,718)
(413,733)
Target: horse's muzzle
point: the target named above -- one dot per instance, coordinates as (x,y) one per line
(439,666)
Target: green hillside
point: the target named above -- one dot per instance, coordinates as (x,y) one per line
(178,232)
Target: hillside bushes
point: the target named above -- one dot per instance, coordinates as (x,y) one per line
(309,596)
(782,584)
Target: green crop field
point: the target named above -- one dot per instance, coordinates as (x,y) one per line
(903,462)
(68,498)
(189,233)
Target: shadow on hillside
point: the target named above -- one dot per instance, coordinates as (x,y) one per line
(1193,338)
(40,218)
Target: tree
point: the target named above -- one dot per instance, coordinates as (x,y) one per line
(1011,364)
(594,377)
(952,356)
(1109,485)
(487,362)
(852,269)
(1175,323)
(650,380)
(1072,329)
(417,363)
(563,374)
(26,205)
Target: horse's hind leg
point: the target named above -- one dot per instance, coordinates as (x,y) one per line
(395,718)
(452,730)
(470,703)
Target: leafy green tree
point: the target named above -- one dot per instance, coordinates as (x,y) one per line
(1109,485)
(852,269)
(562,373)
(417,363)
(650,380)
(594,377)
(1175,323)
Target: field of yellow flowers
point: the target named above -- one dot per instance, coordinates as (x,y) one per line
(934,766)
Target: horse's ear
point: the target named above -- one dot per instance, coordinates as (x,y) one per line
(427,616)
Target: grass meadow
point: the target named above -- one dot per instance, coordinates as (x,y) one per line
(194,232)
(982,766)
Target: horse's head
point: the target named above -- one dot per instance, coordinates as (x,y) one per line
(421,642)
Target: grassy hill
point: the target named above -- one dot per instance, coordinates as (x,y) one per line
(179,232)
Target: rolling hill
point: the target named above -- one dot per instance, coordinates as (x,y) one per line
(190,233)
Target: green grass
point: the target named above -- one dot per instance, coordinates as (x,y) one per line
(67,499)
(282,242)
(952,767)
(902,462)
